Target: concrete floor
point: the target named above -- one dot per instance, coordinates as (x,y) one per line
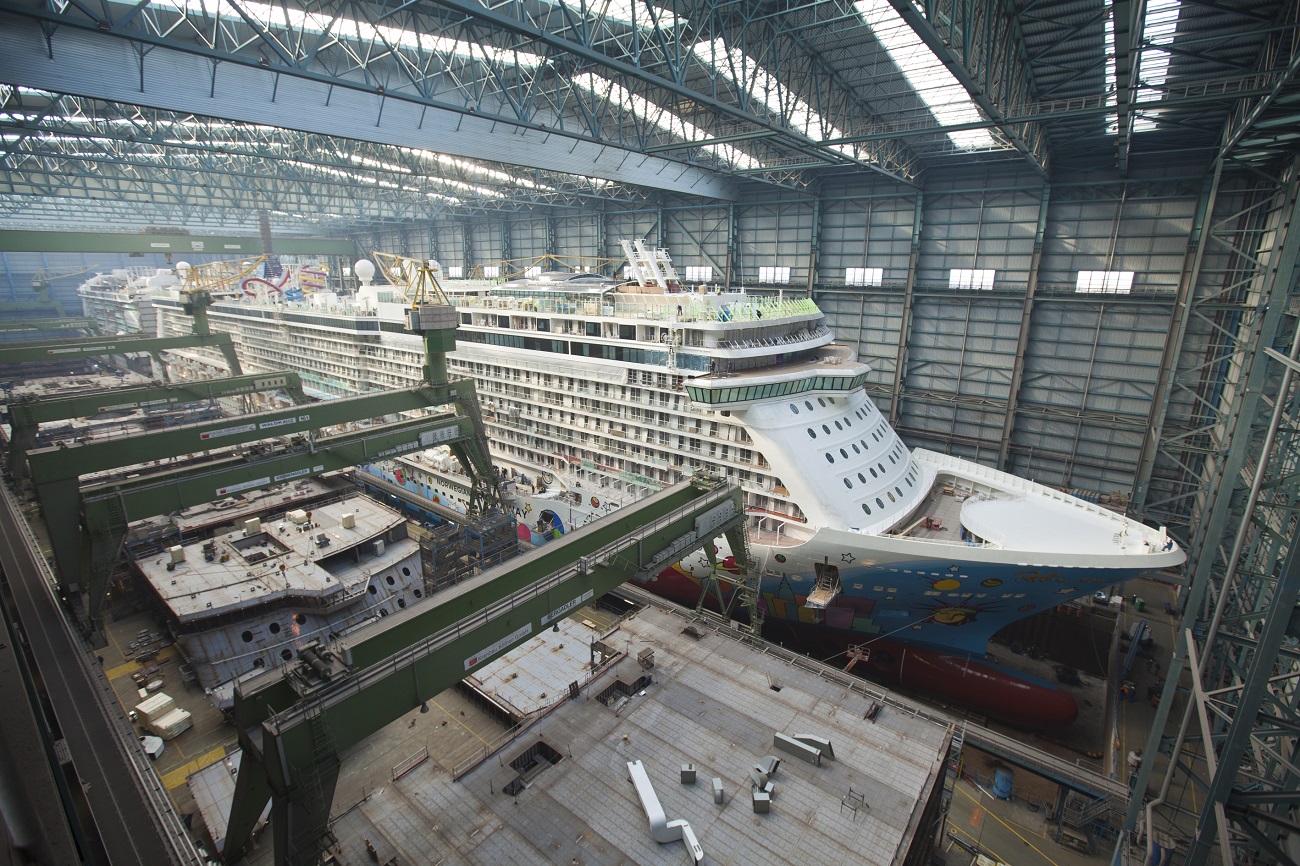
(1007,831)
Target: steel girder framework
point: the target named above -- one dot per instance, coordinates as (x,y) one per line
(1237,740)
(1227,309)
(979,45)
(565,81)
(71,147)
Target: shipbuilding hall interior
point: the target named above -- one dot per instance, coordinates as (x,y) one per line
(592,250)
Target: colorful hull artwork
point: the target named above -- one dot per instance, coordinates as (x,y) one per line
(891,613)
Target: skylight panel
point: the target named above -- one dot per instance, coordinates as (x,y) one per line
(631,12)
(967,278)
(1158,29)
(947,100)
(1105,282)
(762,86)
(673,124)
(864,276)
(351,29)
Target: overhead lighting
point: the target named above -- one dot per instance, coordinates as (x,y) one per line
(947,100)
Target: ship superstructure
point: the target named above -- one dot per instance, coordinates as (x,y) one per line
(244,599)
(624,388)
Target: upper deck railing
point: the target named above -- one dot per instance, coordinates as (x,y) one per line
(685,308)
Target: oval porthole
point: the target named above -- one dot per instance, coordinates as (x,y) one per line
(247,636)
(259,663)
(286,654)
(417,593)
(373,591)
(829,457)
(406,570)
(299,618)
(275,628)
(383,611)
(390,580)
(401,602)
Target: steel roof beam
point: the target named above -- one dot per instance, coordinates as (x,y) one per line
(677,58)
(70,52)
(975,42)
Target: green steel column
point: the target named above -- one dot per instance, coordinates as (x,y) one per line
(507,250)
(815,246)
(467,246)
(602,237)
(1022,340)
(905,323)
(729,275)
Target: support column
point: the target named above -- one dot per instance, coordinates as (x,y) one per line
(602,238)
(729,276)
(1022,341)
(467,247)
(507,250)
(814,249)
(905,323)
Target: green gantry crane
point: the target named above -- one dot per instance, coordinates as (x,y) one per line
(26,415)
(87,524)
(294,722)
(90,347)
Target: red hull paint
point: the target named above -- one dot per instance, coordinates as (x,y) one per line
(971,683)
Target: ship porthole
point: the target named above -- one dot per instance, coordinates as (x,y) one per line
(383,611)
(259,663)
(829,457)
(417,593)
(286,654)
(401,602)
(373,591)
(390,580)
(247,636)
(275,628)
(299,618)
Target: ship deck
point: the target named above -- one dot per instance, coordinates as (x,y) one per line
(713,702)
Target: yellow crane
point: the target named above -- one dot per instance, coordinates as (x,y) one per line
(216,277)
(417,279)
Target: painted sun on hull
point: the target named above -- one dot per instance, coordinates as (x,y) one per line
(964,680)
